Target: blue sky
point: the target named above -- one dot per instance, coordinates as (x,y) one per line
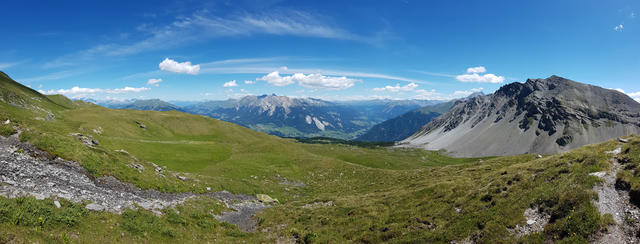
(335,50)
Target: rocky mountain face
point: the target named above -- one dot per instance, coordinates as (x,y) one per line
(538,116)
(303,117)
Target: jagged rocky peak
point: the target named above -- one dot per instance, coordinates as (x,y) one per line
(539,115)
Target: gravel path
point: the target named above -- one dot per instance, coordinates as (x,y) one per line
(26,171)
(616,203)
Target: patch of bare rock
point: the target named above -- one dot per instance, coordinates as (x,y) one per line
(535,222)
(616,202)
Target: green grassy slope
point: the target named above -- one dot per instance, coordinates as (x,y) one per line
(377,194)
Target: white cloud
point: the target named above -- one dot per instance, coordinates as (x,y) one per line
(474,75)
(155,82)
(316,80)
(618,28)
(397,88)
(479,69)
(80,90)
(249,82)
(275,79)
(127,89)
(184,67)
(230,84)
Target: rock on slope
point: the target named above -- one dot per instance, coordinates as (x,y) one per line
(539,116)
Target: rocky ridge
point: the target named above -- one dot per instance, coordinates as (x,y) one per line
(539,116)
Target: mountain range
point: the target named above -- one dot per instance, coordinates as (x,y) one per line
(289,117)
(539,116)
(139,104)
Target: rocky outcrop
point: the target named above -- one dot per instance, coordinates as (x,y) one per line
(87,140)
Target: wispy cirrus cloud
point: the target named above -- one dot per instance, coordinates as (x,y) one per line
(7,65)
(266,67)
(53,76)
(154,82)
(202,26)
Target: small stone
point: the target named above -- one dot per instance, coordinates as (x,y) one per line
(182,178)
(538,156)
(142,126)
(598,174)
(622,140)
(615,152)
(139,167)
(7,122)
(57,204)
(208,188)
(530,222)
(159,170)
(94,207)
(266,198)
